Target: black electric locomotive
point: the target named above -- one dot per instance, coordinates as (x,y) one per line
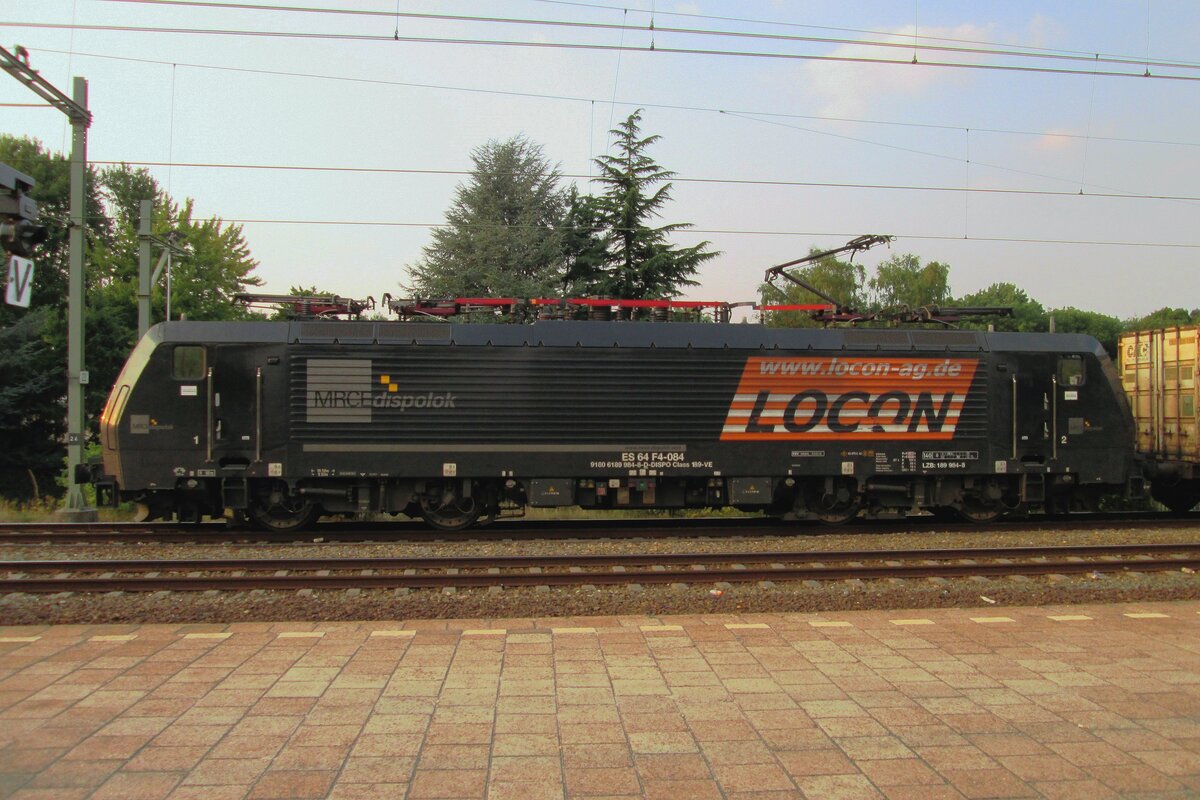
(285,421)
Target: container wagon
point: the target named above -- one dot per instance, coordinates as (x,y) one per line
(1158,374)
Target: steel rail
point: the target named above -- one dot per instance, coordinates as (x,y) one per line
(64,533)
(594,560)
(242,582)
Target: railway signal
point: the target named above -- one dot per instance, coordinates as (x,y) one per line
(20,281)
(19,233)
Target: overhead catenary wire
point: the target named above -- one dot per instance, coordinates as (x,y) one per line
(810,26)
(690,230)
(624,26)
(584,46)
(942,156)
(631,103)
(752,116)
(676,179)
(728,231)
(1015,132)
(687,229)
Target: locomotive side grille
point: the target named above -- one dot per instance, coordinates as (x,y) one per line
(974,419)
(409,332)
(946,340)
(526,395)
(530,395)
(336,331)
(868,339)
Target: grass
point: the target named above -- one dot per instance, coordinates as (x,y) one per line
(45,509)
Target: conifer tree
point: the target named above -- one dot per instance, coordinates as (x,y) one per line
(502,236)
(639,260)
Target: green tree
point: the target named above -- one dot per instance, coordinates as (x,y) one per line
(584,248)
(1163,318)
(1102,326)
(842,280)
(33,343)
(502,236)
(51,173)
(1028,314)
(217,266)
(32,408)
(902,281)
(638,260)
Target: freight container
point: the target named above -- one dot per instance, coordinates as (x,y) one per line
(1158,373)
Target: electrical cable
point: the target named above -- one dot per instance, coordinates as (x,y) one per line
(676,179)
(751,116)
(942,156)
(597,47)
(631,103)
(994,51)
(734,232)
(807,26)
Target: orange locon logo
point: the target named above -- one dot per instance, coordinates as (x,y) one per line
(832,397)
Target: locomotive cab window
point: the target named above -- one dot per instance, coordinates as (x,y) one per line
(188,363)
(1071,371)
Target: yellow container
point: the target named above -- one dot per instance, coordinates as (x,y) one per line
(1158,374)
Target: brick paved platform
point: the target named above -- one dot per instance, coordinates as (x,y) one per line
(1083,702)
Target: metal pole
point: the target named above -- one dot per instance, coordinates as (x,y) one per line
(167,316)
(77,111)
(144,223)
(76,504)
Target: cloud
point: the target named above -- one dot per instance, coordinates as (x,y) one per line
(847,89)
(1056,139)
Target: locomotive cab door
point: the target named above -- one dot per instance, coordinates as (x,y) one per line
(1032,398)
(234,421)
(1067,403)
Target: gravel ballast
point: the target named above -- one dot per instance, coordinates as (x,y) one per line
(652,599)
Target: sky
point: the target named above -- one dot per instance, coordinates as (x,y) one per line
(784,129)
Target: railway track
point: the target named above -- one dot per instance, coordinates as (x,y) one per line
(133,575)
(407,531)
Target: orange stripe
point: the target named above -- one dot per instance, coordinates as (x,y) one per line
(821,436)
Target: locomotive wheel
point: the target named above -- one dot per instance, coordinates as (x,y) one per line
(287,515)
(833,507)
(450,512)
(976,510)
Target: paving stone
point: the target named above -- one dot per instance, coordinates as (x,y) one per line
(1091,702)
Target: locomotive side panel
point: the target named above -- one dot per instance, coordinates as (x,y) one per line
(582,412)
